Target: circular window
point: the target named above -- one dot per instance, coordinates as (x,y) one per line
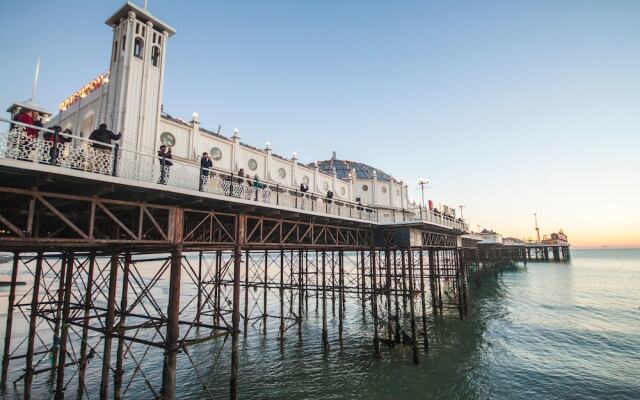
(365,188)
(167,139)
(282,173)
(325,186)
(305,180)
(384,189)
(215,153)
(342,191)
(253,164)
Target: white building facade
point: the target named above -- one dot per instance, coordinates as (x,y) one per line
(128,98)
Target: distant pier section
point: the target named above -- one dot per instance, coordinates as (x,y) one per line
(492,246)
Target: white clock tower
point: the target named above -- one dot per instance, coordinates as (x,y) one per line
(136,78)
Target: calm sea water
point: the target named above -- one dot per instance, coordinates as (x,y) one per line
(547,330)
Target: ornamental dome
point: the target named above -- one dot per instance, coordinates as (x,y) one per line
(344,167)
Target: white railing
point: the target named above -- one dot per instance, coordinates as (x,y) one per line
(414,214)
(81,154)
(78,153)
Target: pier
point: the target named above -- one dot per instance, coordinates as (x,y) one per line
(133,258)
(95,246)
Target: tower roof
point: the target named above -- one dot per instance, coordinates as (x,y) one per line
(142,13)
(28,105)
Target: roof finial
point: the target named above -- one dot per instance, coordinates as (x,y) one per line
(146,3)
(333,155)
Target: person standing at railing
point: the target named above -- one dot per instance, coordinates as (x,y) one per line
(258,185)
(27,117)
(56,138)
(164,154)
(205,165)
(28,136)
(102,149)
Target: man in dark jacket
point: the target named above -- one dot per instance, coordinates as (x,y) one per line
(165,156)
(205,165)
(103,135)
(102,152)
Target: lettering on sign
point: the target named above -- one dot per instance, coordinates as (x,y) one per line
(84,91)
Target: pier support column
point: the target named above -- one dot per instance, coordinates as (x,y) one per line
(64,335)
(438,267)
(463,271)
(396,317)
(218,286)
(423,289)
(387,261)
(9,324)
(374,304)
(35,299)
(432,280)
(325,333)
(237,264)
(246,290)
(58,315)
(265,292)
(199,304)
(173,328)
(108,329)
(85,326)
(340,295)
(300,293)
(459,282)
(364,284)
(117,378)
(414,338)
(282,299)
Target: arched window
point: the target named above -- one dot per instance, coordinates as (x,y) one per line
(138,47)
(155,56)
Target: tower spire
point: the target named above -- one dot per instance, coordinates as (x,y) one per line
(35,80)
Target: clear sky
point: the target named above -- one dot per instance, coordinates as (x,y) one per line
(508,107)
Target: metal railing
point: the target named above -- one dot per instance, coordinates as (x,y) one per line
(81,154)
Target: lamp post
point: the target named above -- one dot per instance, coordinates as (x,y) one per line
(422,183)
(535,216)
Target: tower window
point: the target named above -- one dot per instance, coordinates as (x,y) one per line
(138,47)
(155,55)
(137,28)
(115,51)
(124,41)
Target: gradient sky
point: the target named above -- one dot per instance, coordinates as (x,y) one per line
(508,107)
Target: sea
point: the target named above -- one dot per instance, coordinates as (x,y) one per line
(547,330)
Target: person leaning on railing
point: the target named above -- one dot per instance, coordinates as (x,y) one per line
(102,138)
(258,185)
(56,138)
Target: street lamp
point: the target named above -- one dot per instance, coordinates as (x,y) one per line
(422,183)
